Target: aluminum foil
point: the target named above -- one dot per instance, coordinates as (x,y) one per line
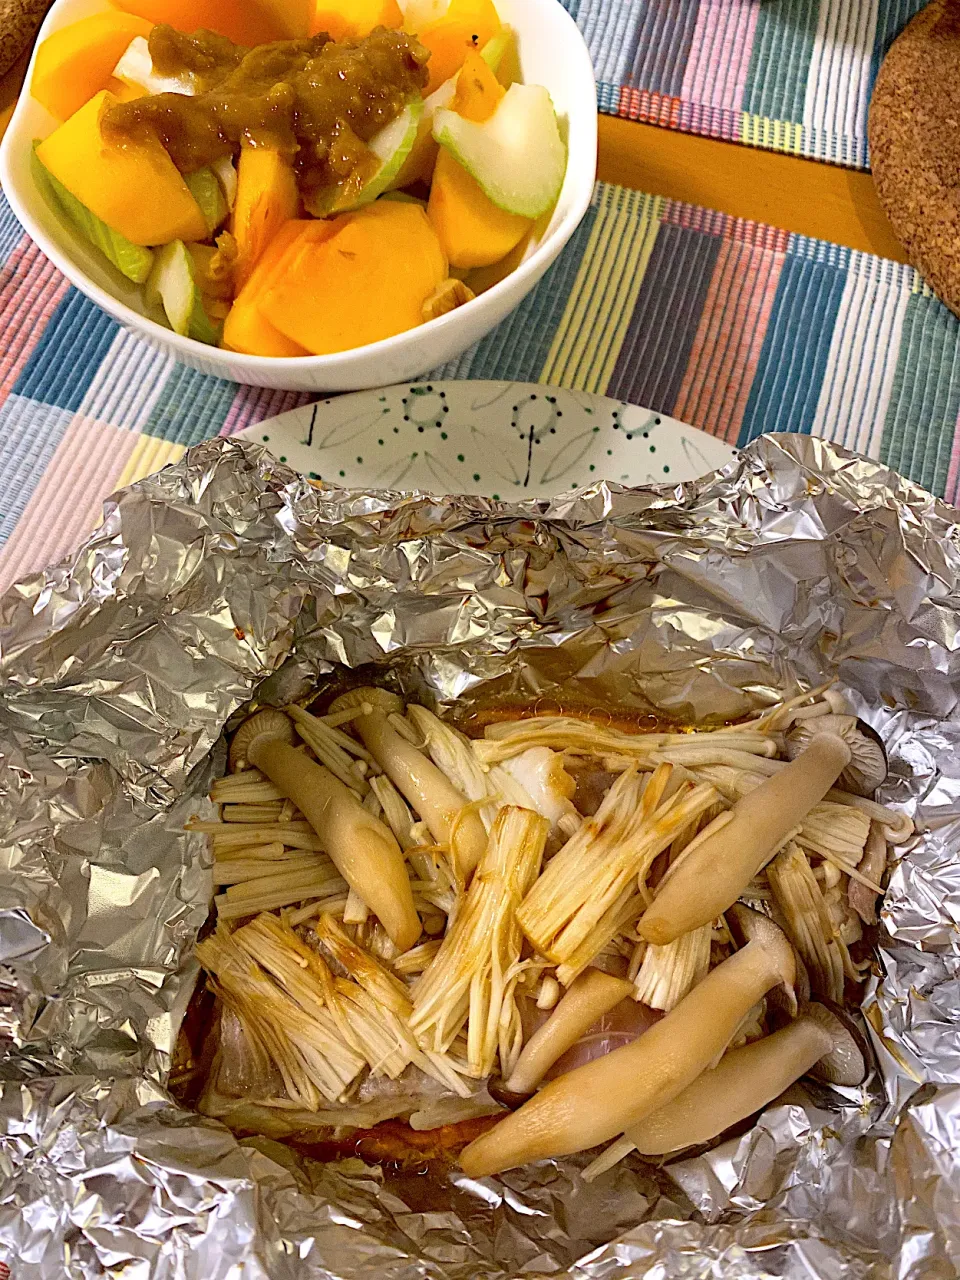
(227,576)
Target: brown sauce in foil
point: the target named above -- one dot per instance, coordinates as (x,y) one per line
(317,101)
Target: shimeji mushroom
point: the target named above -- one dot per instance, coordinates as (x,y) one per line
(269,721)
(871,866)
(868,759)
(746,1079)
(590,996)
(702,885)
(443,808)
(603,1098)
(363,850)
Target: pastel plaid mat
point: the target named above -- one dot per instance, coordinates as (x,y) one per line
(732,326)
(789,75)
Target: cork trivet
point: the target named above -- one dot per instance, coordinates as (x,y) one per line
(914,132)
(19,22)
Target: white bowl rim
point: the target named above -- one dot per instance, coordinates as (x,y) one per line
(340,361)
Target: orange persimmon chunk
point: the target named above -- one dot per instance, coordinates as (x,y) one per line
(354,19)
(238,20)
(134,187)
(472,230)
(478,92)
(78,61)
(366,281)
(466,27)
(292,18)
(267,197)
(246,328)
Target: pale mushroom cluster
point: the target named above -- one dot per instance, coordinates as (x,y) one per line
(401,903)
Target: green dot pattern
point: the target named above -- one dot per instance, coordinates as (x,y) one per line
(529,446)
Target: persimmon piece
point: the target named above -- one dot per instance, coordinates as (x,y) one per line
(267,197)
(367,281)
(354,19)
(292,18)
(77,61)
(134,187)
(238,20)
(246,328)
(472,231)
(478,92)
(464,28)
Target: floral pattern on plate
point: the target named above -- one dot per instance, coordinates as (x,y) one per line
(507,440)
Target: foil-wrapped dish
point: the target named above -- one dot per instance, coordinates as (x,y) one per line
(415,887)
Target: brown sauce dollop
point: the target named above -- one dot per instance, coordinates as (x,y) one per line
(316,100)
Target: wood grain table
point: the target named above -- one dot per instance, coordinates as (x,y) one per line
(800,195)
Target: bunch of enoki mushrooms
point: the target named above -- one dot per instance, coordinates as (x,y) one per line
(579,934)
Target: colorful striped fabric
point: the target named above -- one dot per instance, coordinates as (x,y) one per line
(732,326)
(789,75)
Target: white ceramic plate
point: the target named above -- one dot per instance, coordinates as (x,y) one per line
(503,439)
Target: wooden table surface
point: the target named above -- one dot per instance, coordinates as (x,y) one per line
(800,195)
(786,191)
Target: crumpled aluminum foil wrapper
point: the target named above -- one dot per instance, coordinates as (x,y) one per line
(227,574)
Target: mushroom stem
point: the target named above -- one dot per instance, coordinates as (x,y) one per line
(587,737)
(592,995)
(473,978)
(744,1081)
(731,780)
(363,967)
(416,777)
(248,787)
(668,973)
(803,908)
(704,885)
(607,1158)
(603,1098)
(360,846)
(872,865)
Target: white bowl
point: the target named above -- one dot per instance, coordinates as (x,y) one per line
(551,52)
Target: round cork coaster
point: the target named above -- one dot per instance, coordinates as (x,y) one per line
(19,23)
(914,132)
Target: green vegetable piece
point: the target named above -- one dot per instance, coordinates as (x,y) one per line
(517,156)
(493,51)
(208,193)
(391,146)
(173,285)
(131,260)
(404,197)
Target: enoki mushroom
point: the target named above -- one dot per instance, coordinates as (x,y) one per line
(399,902)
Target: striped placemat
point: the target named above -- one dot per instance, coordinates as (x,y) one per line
(732,326)
(789,75)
